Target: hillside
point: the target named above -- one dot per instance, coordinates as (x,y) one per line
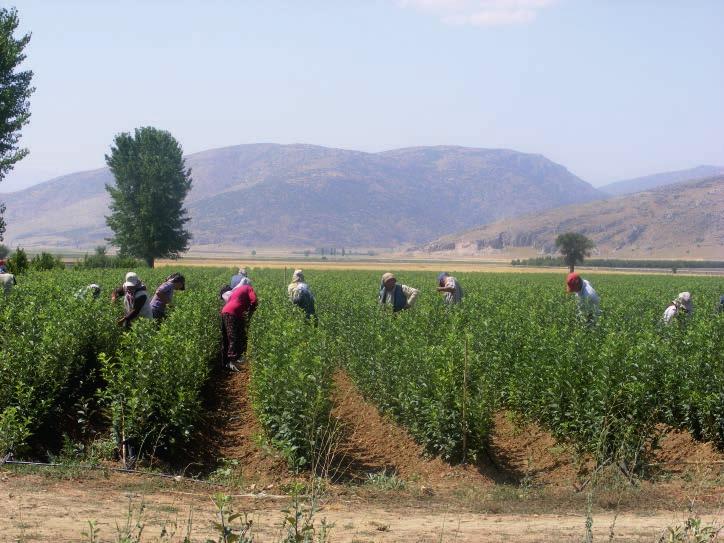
(674,221)
(649,182)
(291,195)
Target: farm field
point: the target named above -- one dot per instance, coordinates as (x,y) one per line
(508,390)
(421,264)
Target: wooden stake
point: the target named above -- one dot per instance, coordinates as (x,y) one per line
(465,401)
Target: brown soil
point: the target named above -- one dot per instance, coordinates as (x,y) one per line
(45,508)
(677,450)
(528,453)
(232,432)
(370,442)
(532,454)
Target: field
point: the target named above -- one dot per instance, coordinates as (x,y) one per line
(510,388)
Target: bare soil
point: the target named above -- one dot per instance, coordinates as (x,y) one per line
(524,491)
(44,508)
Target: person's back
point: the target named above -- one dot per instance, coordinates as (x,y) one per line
(451,289)
(301,295)
(139,298)
(588,299)
(7,280)
(240,278)
(242,301)
(164,294)
(670,313)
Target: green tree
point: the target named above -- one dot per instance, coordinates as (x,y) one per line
(574,247)
(46,261)
(147,214)
(4,251)
(18,261)
(15,91)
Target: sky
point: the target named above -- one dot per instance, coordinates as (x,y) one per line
(611,89)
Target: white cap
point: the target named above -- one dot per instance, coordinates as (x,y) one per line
(132,280)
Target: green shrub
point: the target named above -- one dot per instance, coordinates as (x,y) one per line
(46,261)
(18,262)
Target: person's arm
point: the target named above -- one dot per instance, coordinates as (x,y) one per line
(411,295)
(450,286)
(138,302)
(253,302)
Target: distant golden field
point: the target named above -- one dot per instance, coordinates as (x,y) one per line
(402,265)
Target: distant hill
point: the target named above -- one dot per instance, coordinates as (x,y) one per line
(675,221)
(649,182)
(304,195)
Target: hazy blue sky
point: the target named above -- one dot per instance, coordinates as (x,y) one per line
(610,88)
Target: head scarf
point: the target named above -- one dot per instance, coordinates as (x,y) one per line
(387,276)
(684,300)
(572,282)
(298,276)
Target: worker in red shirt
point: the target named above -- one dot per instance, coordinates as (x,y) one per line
(235,317)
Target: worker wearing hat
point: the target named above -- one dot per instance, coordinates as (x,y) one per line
(92,291)
(681,306)
(301,295)
(449,285)
(241,278)
(588,299)
(136,301)
(396,295)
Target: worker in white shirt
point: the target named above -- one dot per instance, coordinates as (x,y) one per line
(588,299)
(681,307)
(398,296)
(453,292)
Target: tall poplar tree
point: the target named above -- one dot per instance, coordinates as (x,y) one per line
(147,214)
(574,247)
(15,91)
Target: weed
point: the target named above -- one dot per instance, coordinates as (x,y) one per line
(299,524)
(231,527)
(229,473)
(382,480)
(692,531)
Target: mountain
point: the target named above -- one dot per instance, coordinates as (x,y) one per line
(291,195)
(675,221)
(649,182)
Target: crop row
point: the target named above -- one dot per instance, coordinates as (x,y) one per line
(57,348)
(517,343)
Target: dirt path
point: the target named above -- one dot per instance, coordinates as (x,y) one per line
(231,436)
(372,443)
(36,508)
